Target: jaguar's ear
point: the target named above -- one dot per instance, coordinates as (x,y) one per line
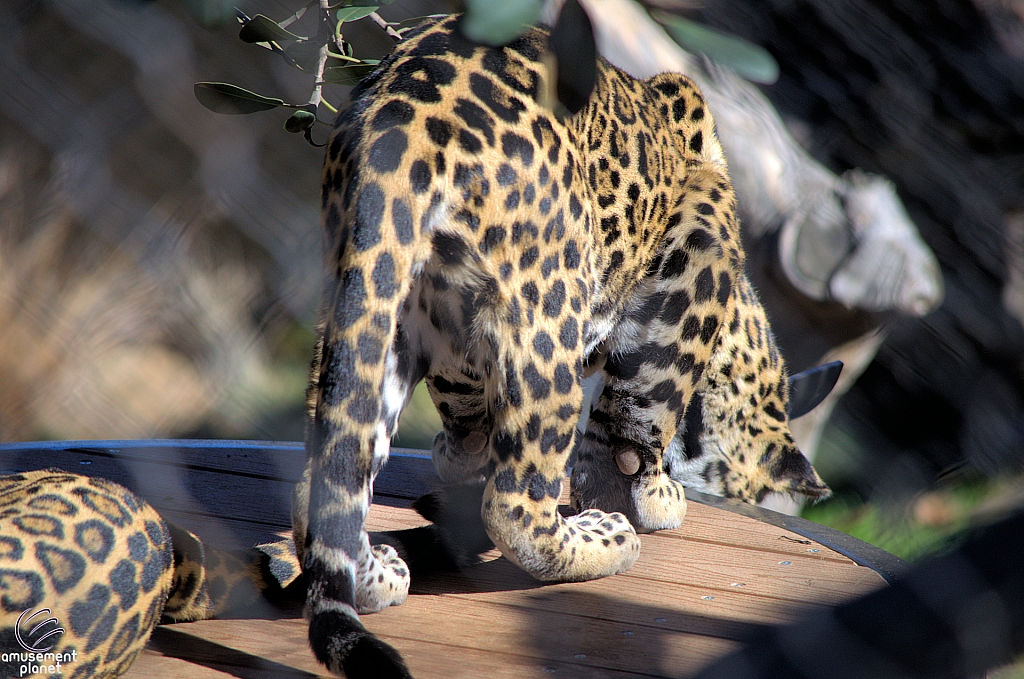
(809,388)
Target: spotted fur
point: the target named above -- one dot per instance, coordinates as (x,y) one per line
(94,554)
(735,441)
(107,568)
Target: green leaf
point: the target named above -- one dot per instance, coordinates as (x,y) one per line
(751,61)
(361,3)
(305,54)
(211,13)
(348,75)
(354,13)
(262,29)
(232,99)
(498,22)
(299,122)
(308,136)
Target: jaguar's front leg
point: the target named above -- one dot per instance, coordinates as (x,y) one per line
(656,357)
(459,452)
(619,464)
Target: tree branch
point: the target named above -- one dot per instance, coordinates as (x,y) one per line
(377,19)
(324,35)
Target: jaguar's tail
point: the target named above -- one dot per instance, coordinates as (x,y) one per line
(341,643)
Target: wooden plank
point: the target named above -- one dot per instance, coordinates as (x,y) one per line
(178,482)
(702,524)
(246,463)
(713,527)
(696,600)
(509,640)
(227,533)
(168,486)
(890,567)
(242,534)
(748,562)
(693,593)
(498,621)
(283,461)
(277,649)
(153,665)
(428,660)
(727,615)
(762,573)
(228,648)
(383,517)
(534,636)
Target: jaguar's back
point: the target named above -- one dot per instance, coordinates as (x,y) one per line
(88,568)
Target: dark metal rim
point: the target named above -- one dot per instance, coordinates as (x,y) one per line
(122,444)
(418,464)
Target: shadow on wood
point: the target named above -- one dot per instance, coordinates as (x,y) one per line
(174,643)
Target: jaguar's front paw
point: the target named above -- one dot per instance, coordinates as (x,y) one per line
(537,538)
(658,502)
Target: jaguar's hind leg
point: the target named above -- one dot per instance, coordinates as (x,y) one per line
(656,357)
(381,578)
(530,445)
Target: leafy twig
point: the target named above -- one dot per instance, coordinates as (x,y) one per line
(344,57)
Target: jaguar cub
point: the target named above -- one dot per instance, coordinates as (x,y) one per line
(735,439)
(97,556)
(476,240)
(88,568)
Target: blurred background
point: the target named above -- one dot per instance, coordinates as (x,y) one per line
(159,263)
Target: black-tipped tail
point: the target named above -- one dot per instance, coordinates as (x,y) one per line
(342,643)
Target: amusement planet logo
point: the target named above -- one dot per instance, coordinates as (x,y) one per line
(35,657)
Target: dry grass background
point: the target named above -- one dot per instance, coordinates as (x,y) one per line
(96,344)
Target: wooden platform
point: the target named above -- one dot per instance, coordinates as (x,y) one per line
(693,594)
